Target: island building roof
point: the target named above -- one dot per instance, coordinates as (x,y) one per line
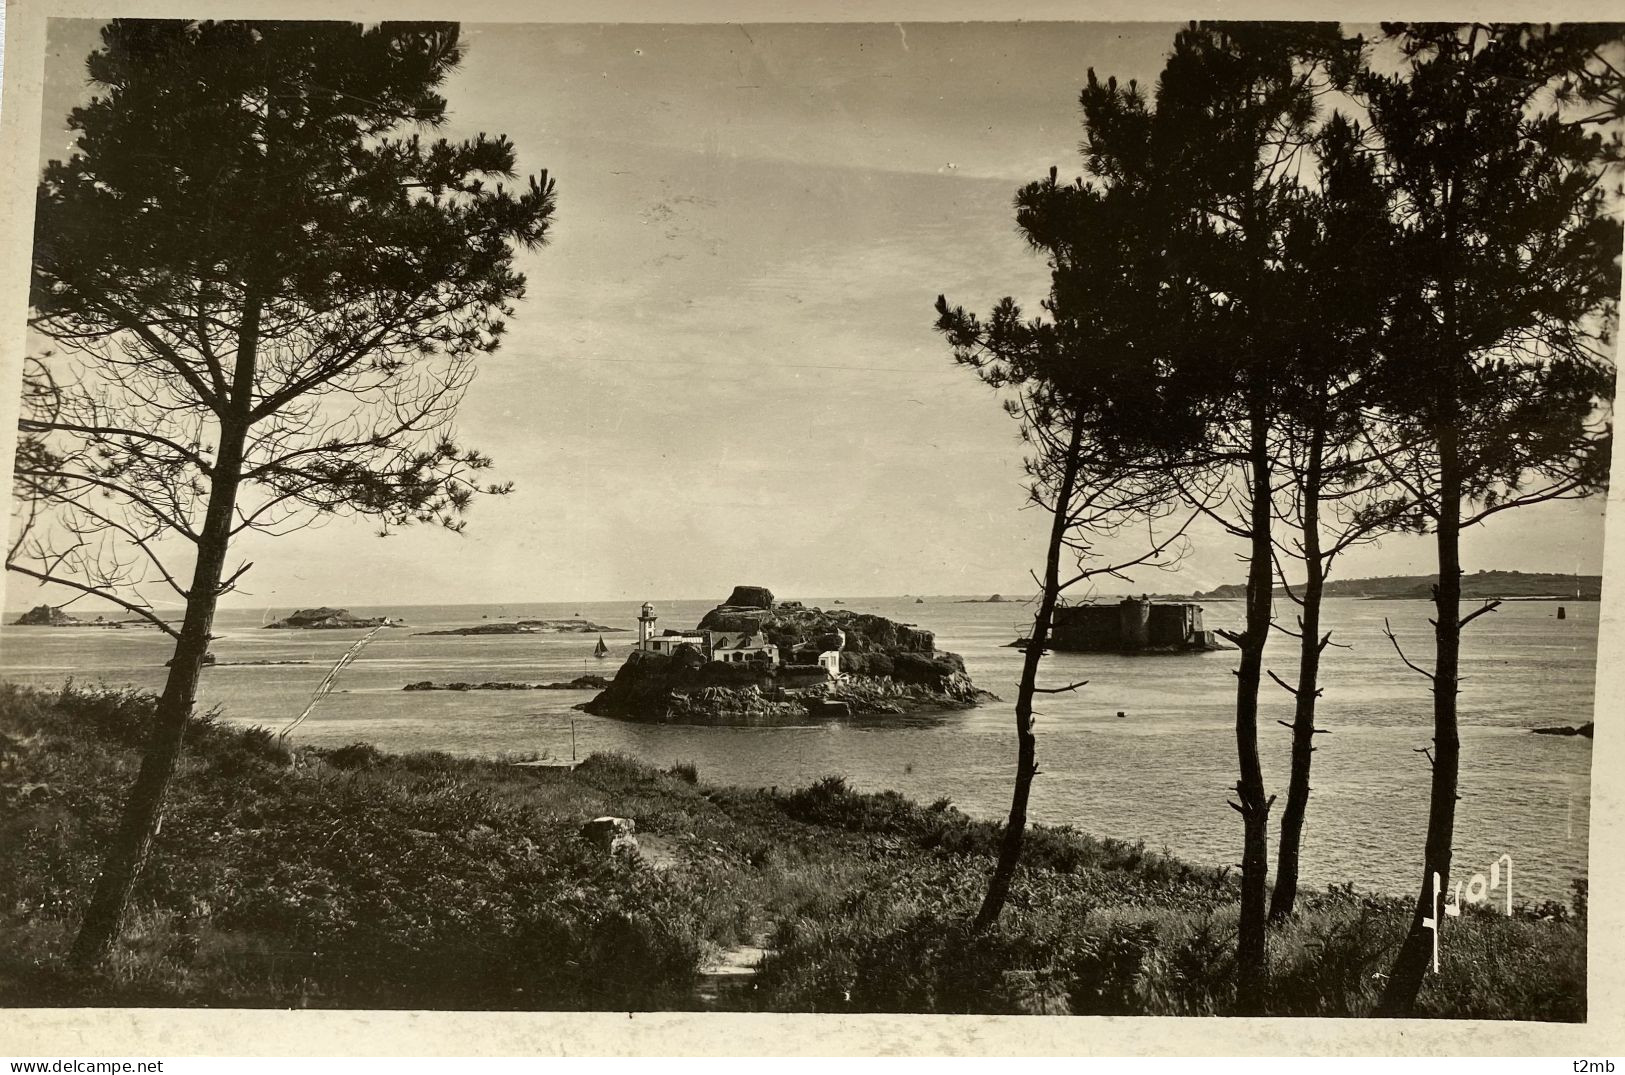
(737,640)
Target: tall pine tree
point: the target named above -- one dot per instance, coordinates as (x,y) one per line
(1498,362)
(267,289)
(1236,111)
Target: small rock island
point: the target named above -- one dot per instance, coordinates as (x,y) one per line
(53,616)
(329,619)
(752,661)
(1588,730)
(530,627)
(47,616)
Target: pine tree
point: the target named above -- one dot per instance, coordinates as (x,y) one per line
(1236,109)
(1096,412)
(267,289)
(1332,295)
(1498,359)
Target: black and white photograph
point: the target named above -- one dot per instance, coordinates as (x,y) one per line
(975,517)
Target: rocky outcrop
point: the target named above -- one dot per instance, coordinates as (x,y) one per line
(685,688)
(866,694)
(751,597)
(47,616)
(936,673)
(531,627)
(655,686)
(1588,730)
(329,619)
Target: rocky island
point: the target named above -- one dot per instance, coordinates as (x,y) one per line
(53,616)
(47,616)
(531,627)
(750,661)
(329,619)
(1588,730)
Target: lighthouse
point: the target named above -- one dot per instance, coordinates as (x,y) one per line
(646,625)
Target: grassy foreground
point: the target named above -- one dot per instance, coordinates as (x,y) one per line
(349,878)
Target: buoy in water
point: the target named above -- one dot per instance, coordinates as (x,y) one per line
(1562,614)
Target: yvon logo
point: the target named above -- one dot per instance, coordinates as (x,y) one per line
(1479,888)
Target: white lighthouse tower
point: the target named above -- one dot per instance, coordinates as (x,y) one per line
(646,625)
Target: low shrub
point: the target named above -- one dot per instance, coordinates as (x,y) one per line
(354,756)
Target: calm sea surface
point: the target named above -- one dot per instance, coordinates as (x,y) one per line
(1160,772)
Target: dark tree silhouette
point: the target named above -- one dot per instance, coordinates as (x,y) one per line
(1235,115)
(1332,293)
(1498,362)
(266,290)
(1096,414)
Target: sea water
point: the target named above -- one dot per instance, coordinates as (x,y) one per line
(1145,751)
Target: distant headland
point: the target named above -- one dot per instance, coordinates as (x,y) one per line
(1478,586)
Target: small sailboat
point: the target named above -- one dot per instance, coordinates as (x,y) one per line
(600,650)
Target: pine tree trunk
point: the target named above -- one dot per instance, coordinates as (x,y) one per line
(998,888)
(1303,717)
(1416,954)
(1251,961)
(131,844)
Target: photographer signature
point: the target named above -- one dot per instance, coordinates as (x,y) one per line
(1479,888)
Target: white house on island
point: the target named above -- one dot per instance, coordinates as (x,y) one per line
(737,647)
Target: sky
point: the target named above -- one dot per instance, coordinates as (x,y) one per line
(725,370)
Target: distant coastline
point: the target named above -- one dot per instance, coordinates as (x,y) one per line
(1478,586)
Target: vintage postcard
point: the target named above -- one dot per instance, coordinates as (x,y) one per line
(553,529)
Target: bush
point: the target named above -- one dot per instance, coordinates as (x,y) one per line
(617,767)
(354,756)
